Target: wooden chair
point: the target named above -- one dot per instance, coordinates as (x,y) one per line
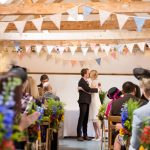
(112,120)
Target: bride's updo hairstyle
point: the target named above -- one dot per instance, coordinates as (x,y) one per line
(93,74)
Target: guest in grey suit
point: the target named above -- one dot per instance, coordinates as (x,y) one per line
(140,115)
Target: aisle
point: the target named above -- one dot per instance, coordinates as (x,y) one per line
(73,144)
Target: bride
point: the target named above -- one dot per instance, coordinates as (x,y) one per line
(95,104)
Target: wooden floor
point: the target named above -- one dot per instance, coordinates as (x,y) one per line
(73,144)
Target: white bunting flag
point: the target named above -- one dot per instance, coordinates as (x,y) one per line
(61,50)
(87,11)
(141,45)
(3,26)
(92,45)
(20,26)
(38,23)
(96,48)
(38,49)
(73,49)
(73,12)
(49,49)
(121,20)
(103,15)
(56,19)
(106,49)
(130,47)
(28,48)
(84,50)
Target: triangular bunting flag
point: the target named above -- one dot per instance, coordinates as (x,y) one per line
(73,12)
(38,23)
(17,46)
(73,62)
(49,49)
(103,15)
(92,45)
(98,60)
(105,48)
(38,49)
(120,48)
(81,63)
(84,50)
(56,19)
(73,49)
(113,54)
(61,49)
(3,26)
(139,21)
(86,11)
(96,48)
(121,20)
(28,49)
(130,47)
(141,45)
(20,26)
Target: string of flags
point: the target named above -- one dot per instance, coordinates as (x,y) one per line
(107,48)
(73,13)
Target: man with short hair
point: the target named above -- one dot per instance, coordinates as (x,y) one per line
(84,102)
(128,90)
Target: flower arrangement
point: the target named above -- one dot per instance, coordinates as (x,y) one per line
(102,96)
(101,111)
(127,118)
(145,136)
(54,113)
(7,114)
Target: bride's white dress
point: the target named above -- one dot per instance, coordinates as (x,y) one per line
(95,102)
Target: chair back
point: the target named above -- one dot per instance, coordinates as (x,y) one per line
(112,120)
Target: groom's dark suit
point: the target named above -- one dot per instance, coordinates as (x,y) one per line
(84,101)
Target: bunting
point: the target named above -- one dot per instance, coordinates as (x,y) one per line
(122,19)
(84,50)
(28,49)
(96,48)
(3,26)
(103,15)
(98,60)
(73,12)
(130,47)
(139,21)
(141,45)
(38,23)
(20,26)
(56,20)
(49,49)
(61,50)
(38,49)
(73,49)
(87,11)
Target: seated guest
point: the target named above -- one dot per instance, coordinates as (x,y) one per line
(113,94)
(128,90)
(44,78)
(141,113)
(48,94)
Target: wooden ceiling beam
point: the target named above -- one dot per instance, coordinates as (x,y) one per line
(79,35)
(52,8)
(66,42)
(84,25)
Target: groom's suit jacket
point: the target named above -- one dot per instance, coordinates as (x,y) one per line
(85,97)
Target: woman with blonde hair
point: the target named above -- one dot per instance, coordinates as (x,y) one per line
(95,104)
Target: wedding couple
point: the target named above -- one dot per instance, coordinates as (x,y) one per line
(89,103)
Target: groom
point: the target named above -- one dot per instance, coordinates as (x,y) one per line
(84,102)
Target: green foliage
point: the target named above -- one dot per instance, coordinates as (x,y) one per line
(102,96)
(102,110)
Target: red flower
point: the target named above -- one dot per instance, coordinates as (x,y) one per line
(7,145)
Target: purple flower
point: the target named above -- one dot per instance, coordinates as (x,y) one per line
(54,109)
